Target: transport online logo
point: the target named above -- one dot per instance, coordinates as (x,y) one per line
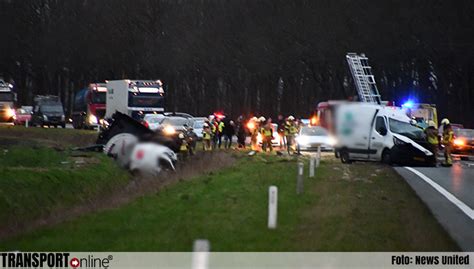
(55,260)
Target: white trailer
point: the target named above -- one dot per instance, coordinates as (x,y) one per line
(134,97)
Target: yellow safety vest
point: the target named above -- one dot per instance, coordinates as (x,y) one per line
(267,132)
(206,135)
(432,136)
(448,137)
(221,127)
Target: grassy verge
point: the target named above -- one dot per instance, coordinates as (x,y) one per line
(19,135)
(36,182)
(361,207)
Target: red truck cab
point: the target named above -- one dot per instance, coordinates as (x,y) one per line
(89,106)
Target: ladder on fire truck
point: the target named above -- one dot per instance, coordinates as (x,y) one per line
(363,78)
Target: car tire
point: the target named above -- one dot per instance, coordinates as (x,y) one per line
(386,157)
(344,155)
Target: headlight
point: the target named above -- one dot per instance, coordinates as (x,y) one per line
(10,113)
(332,141)
(45,117)
(93,119)
(398,142)
(459,142)
(169,130)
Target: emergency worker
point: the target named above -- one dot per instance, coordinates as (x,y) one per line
(432,138)
(447,141)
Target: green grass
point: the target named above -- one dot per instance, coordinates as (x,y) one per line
(345,208)
(37,181)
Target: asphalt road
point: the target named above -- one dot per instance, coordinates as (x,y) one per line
(449,194)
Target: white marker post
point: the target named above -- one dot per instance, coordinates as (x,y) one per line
(201,249)
(272,207)
(299,178)
(311,166)
(318,158)
(26,123)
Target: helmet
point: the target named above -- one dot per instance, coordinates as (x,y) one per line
(262,118)
(291,118)
(254,119)
(181,136)
(205,125)
(413,122)
(431,124)
(445,121)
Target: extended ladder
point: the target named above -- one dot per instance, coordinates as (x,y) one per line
(363,78)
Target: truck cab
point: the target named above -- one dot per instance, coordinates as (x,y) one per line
(89,106)
(370,132)
(7,102)
(134,97)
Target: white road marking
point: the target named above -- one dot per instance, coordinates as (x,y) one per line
(464,208)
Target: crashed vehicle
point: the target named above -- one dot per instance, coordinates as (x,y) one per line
(136,147)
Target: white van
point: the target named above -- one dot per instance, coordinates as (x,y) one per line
(373,132)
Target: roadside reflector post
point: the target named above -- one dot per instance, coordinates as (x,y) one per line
(312,162)
(26,123)
(272,207)
(201,250)
(318,158)
(299,178)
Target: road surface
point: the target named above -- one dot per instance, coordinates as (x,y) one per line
(449,193)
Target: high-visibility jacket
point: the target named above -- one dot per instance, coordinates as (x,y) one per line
(432,135)
(184,146)
(206,134)
(290,129)
(448,137)
(213,128)
(221,127)
(267,131)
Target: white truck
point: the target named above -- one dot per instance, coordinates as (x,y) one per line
(134,97)
(7,102)
(372,132)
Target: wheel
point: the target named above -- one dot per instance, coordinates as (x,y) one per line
(63,125)
(55,126)
(386,157)
(344,155)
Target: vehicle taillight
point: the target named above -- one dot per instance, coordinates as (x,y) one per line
(145,123)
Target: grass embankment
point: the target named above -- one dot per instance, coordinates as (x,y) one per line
(46,137)
(359,207)
(36,182)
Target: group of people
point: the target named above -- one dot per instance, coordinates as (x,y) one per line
(216,129)
(446,139)
(287,128)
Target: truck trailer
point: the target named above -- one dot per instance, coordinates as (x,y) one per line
(134,97)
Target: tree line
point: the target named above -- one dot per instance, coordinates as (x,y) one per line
(243,56)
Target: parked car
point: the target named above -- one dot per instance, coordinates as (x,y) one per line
(174,125)
(22,116)
(152,121)
(463,141)
(311,137)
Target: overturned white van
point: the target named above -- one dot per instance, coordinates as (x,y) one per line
(371,132)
